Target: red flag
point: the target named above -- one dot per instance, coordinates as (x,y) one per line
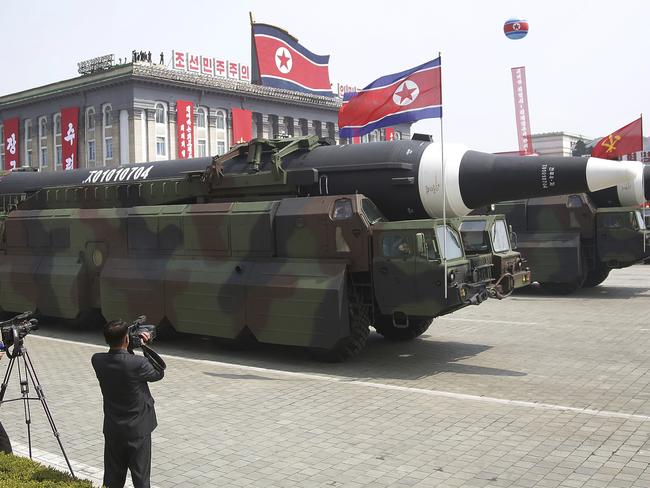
(12,143)
(185,129)
(626,140)
(70,128)
(242,125)
(390,134)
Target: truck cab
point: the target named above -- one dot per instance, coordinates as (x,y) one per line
(489,234)
(623,237)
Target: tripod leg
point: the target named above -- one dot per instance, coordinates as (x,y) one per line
(29,367)
(5,381)
(24,392)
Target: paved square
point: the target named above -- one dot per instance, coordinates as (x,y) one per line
(531,391)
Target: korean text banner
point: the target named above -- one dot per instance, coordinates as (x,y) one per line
(284,63)
(399,98)
(185,129)
(69,132)
(521,110)
(12,143)
(626,140)
(242,125)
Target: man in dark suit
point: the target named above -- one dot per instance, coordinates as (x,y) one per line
(129,414)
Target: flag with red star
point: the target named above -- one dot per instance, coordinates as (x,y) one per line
(399,98)
(281,62)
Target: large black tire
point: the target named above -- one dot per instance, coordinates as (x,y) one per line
(351,345)
(384,326)
(596,276)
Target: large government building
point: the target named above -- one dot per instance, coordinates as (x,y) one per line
(127,113)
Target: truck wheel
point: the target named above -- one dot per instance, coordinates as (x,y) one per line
(351,345)
(596,276)
(384,326)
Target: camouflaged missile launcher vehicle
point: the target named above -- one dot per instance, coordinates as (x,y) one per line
(305,271)
(569,243)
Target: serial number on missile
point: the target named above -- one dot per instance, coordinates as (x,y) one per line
(548,176)
(118,174)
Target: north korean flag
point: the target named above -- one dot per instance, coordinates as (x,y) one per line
(399,98)
(284,63)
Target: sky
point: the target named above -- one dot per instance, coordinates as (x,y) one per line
(587,62)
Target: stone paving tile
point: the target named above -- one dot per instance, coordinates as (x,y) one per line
(295,423)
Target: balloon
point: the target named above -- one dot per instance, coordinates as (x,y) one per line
(515,28)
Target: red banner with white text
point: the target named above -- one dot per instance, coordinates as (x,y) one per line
(12,143)
(521,110)
(390,134)
(69,135)
(242,125)
(185,129)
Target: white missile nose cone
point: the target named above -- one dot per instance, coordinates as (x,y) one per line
(605,173)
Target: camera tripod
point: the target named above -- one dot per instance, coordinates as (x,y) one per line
(26,373)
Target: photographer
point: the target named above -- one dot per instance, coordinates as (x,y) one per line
(5,444)
(129,414)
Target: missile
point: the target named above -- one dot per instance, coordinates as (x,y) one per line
(630,194)
(403,178)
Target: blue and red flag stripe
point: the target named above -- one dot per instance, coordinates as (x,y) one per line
(398,98)
(285,63)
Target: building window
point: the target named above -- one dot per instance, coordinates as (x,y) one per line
(57,157)
(221,132)
(201,132)
(161,113)
(90,137)
(221,119)
(108,148)
(304,127)
(107,112)
(42,142)
(107,131)
(199,118)
(91,153)
(161,131)
(374,136)
(57,124)
(28,142)
(201,148)
(288,124)
(161,146)
(90,118)
(274,127)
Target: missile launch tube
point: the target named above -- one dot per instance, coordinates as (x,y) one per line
(403,178)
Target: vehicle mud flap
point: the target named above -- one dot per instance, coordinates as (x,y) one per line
(132,287)
(55,286)
(300,302)
(206,296)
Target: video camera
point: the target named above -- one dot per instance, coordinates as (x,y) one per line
(137,327)
(13,331)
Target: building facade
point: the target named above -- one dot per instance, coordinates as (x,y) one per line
(127,114)
(557,143)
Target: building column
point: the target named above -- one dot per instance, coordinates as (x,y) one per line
(266,127)
(125,131)
(137,145)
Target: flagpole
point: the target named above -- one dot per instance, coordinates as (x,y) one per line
(444,185)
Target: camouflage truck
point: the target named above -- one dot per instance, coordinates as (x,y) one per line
(310,271)
(569,243)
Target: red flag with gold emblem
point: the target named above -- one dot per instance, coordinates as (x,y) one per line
(626,140)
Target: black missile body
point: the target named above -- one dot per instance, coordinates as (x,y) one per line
(403,178)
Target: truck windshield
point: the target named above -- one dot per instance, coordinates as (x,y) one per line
(499,234)
(448,242)
(474,236)
(373,214)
